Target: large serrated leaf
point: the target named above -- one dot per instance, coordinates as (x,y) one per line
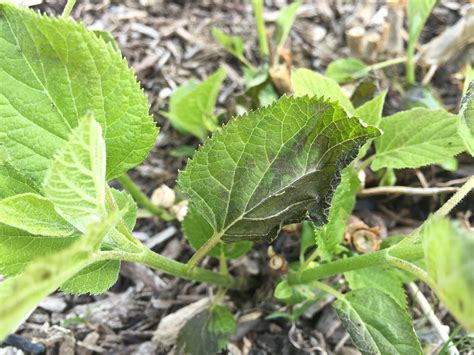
(449,262)
(466,116)
(415,138)
(12,182)
(54,71)
(376,323)
(277,164)
(76,181)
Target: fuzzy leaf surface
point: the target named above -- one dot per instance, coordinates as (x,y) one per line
(448,255)
(274,165)
(308,82)
(34,214)
(466,125)
(192,104)
(54,71)
(376,323)
(415,138)
(207,332)
(76,182)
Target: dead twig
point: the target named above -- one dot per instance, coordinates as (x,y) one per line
(405,190)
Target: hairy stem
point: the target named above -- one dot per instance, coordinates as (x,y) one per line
(204,250)
(68,8)
(412,269)
(142,199)
(456,198)
(328,289)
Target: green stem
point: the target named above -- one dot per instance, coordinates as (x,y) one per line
(365,163)
(409,252)
(327,289)
(68,8)
(204,250)
(257,6)
(412,269)
(410,64)
(310,259)
(456,198)
(385,64)
(142,199)
(172,267)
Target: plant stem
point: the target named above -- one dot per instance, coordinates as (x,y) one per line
(412,269)
(257,6)
(385,64)
(310,259)
(68,8)
(456,198)
(142,199)
(172,267)
(405,190)
(365,163)
(409,252)
(204,250)
(410,64)
(328,289)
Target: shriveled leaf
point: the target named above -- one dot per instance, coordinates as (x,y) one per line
(277,164)
(347,69)
(466,116)
(12,182)
(308,82)
(192,104)
(197,231)
(329,236)
(380,278)
(376,323)
(34,214)
(54,71)
(284,22)
(18,248)
(207,332)
(19,295)
(416,138)
(76,180)
(449,262)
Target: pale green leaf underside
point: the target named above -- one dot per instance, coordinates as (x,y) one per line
(466,115)
(376,323)
(34,214)
(76,181)
(277,164)
(54,71)
(191,106)
(416,138)
(448,255)
(308,82)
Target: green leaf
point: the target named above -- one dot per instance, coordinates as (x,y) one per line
(417,13)
(307,238)
(347,69)
(76,181)
(18,248)
(54,71)
(34,214)
(19,295)
(380,278)
(416,138)
(308,82)
(232,44)
(197,231)
(284,22)
(448,255)
(192,104)
(274,165)
(420,96)
(207,332)
(365,90)
(466,115)
(469,78)
(124,201)
(376,323)
(12,182)
(387,177)
(329,236)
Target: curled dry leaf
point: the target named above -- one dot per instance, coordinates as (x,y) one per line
(180,210)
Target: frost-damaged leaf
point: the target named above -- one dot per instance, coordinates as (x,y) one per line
(448,255)
(274,165)
(415,138)
(54,71)
(34,214)
(76,181)
(376,323)
(308,82)
(343,70)
(342,204)
(192,104)
(466,116)
(383,279)
(12,182)
(207,332)
(19,295)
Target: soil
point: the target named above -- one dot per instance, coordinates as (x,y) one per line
(168,43)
